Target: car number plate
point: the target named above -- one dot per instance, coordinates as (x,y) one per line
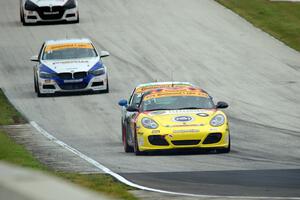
(73,81)
(51,13)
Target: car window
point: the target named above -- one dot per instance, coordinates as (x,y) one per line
(68,51)
(178,102)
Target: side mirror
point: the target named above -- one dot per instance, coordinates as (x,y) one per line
(34,58)
(104,54)
(123,102)
(132,109)
(222,104)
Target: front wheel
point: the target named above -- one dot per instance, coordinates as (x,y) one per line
(225,150)
(39,94)
(136,147)
(127,148)
(107,87)
(35,85)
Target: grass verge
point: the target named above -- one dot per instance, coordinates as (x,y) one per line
(279,19)
(8,114)
(14,153)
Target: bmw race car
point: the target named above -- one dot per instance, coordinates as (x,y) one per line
(176,118)
(69,65)
(33,11)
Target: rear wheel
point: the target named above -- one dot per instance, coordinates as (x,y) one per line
(127,148)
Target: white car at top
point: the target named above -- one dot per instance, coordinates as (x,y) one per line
(69,65)
(33,11)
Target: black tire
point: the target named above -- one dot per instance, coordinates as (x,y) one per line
(39,94)
(22,18)
(225,150)
(127,148)
(136,147)
(107,88)
(78,19)
(35,85)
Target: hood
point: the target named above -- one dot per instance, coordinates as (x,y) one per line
(183,118)
(60,66)
(49,2)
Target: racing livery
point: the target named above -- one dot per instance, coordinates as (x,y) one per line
(33,11)
(176,118)
(135,98)
(69,65)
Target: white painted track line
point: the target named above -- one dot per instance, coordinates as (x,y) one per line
(129,183)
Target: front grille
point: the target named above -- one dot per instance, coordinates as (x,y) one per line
(58,12)
(212,138)
(65,76)
(73,86)
(185,142)
(94,84)
(157,140)
(78,75)
(49,87)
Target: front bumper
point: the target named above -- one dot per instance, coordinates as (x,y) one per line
(207,138)
(68,15)
(51,86)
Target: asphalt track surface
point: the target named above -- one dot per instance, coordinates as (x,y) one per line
(189,40)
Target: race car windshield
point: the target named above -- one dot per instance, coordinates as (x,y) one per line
(177,103)
(69,53)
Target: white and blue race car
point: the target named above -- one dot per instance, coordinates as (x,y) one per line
(33,11)
(69,65)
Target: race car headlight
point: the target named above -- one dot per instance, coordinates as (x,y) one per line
(47,75)
(149,123)
(29,5)
(217,120)
(97,72)
(70,4)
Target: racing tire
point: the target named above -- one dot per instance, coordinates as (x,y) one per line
(35,86)
(136,147)
(225,150)
(38,93)
(127,148)
(78,19)
(107,88)
(22,19)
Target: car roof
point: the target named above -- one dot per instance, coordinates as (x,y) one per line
(63,41)
(154,85)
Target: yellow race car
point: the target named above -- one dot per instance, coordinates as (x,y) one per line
(176,118)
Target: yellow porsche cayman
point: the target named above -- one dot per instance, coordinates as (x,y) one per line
(176,118)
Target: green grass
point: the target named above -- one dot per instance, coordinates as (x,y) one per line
(8,114)
(15,153)
(101,183)
(279,19)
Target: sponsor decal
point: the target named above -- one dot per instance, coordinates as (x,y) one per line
(172,93)
(55,47)
(202,114)
(183,119)
(187,131)
(151,87)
